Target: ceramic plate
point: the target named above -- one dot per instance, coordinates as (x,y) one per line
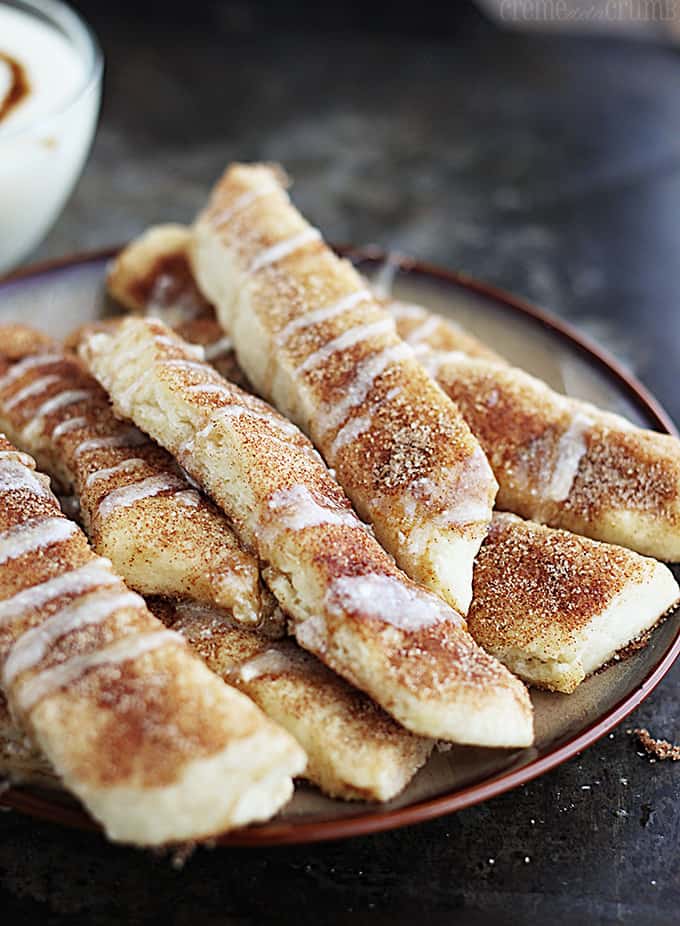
(60,295)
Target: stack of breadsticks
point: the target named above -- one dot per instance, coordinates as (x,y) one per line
(315,587)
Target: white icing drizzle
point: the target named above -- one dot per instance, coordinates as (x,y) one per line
(172,315)
(62,400)
(324,314)
(459,496)
(125,467)
(421,350)
(283,249)
(271,662)
(424,331)
(364,377)
(15,476)
(389,599)
(210,389)
(71,424)
(296,509)
(383,281)
(218,348)
(189,497)
(51,680)
(406,310)
(91,575)
(192,482)
(179,363)
(236,411)
(434,360)
(344,341)
(130,437)
(35,388)
(28,363)
(145,488)
(349,432)
(570,450)
(355,427)
(32,646)
(17,456)
(224,216)
(34,534)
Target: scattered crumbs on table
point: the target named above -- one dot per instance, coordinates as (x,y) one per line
(656,748)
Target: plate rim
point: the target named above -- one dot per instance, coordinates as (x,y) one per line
(275,833)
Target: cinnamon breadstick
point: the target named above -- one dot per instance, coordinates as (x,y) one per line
(312,338)
(558,460)
(153,276)
(348,602)
(156,747)
(138,509)
(555,607)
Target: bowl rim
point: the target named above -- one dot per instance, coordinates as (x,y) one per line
(39,804)
(69,21)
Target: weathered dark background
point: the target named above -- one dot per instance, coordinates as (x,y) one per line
(547,165)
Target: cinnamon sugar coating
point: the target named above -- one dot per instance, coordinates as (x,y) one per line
(355,750)
(126,716)
(556,607)
(528,580)
(349,603)
(138,509)
(557,459)
(316,342)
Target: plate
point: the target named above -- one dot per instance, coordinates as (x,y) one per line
(60,295)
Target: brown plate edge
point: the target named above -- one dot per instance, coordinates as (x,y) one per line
(272,834)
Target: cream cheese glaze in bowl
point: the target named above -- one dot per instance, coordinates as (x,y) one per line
(50,90)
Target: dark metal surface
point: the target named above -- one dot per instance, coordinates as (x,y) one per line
(550,167)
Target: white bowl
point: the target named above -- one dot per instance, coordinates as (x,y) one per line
(42,158)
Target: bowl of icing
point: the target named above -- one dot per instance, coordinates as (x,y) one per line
(50,91)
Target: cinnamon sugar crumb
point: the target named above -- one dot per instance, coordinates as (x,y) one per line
(657,749)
